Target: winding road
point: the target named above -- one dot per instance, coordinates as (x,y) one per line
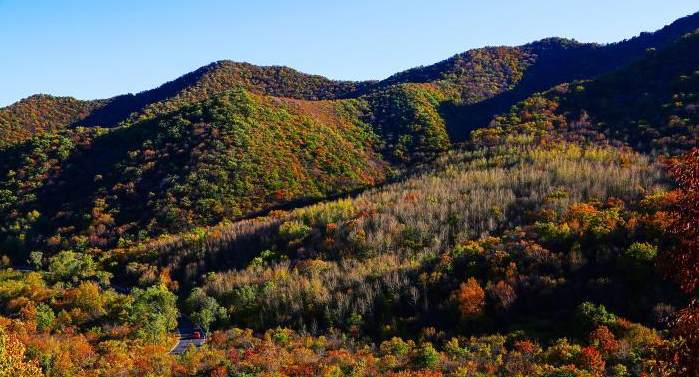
(185,327)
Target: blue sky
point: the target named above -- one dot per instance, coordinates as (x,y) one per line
(97,49)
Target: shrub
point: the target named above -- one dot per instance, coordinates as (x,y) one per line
(293,230)
(637,260)
(641,252)
(266,257)
(619,370)
(553,233)
(396,347)
(45,317)
(428,357)
(589,316)
(502,294)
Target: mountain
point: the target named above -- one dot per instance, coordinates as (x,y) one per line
(475,85)
(231,140)
(509,211)
(44,112)
(488,81)
(40,114)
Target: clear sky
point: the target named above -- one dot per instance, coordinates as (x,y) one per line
(99,48)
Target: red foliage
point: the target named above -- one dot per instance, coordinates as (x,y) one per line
(682,263)
(687,329)
(526,347)
(681,358)
(604,340)
(233,356)
(592,360)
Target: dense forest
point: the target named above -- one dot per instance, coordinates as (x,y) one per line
(509,211)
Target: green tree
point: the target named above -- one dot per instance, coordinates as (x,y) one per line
(428,356)
(589,316)
(45,317)
(637,260)
(69,266)
(293,230)
(204,310)
(153,312)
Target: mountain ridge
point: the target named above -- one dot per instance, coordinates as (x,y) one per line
(516,73)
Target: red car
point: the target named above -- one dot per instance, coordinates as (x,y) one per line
(196,334)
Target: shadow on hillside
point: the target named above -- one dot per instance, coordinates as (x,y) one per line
(555,64)
(118,109)
(559,61)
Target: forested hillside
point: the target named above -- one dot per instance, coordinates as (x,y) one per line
(510,211)
(220,159)
(40,114)
(650,105)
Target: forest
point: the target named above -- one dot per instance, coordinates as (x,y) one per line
(509,211)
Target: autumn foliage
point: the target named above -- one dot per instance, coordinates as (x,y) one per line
(13,360)
(682,264)
(224,196)
(471,299)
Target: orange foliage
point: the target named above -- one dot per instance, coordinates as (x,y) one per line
(503,293)
(592,360)
(604,340)
(471,299)
(415,373)
(526,347)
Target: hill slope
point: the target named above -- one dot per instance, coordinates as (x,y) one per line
(650,104)
(222,158)
(46,113)
(40,114)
